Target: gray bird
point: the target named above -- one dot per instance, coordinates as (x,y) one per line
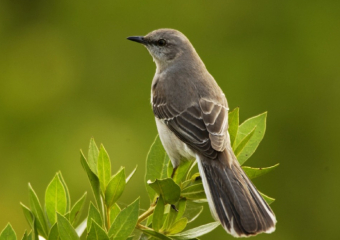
(191,113)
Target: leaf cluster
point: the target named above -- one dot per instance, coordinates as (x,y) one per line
(176,196)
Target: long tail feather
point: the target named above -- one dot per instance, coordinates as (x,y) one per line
(233,199)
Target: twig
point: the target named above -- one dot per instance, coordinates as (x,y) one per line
(146,214)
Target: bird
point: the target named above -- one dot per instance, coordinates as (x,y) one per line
(191,114)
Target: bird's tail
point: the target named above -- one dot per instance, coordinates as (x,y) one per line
(233,199)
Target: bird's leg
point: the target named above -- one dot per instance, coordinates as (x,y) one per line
(172,176)
(173,172)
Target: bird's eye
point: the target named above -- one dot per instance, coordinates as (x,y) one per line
(161,42)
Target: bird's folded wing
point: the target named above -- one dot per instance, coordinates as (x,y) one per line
(203,126)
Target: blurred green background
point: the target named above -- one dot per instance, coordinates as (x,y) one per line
(67,73)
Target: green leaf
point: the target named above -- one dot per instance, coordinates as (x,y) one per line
(68,198)
(193,168)
(181,206)
(233,122)
(196,232)
(114,211)
(257,172)
(182,171)
(178,226)
(156,166)
(200,200)
(94,181)
(54,233)
(104,168)
(67,215)
(157,219)
(144,236)
(195,176)
(55,199)
(186,184)
(97,233)
(28,215)
(34,233)
(169,221)
(66,231)
(156,235)
(244,129)
(169,190)
(131,174)
(37,212)
(32,236)
(29,236)
(25,237)
(115,188)
(169,169)
(191,181)
(8,233)
(194,192)
(242,145)
(148,220)
(80,229)
(77,209)
(125,222)
(95,215)
(268,199)
(192,211)
(93,156)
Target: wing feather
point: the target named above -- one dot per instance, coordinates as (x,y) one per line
(203,126)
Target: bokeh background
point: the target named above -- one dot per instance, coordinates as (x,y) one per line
(67,73)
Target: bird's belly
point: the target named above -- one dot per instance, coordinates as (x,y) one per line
(175,148)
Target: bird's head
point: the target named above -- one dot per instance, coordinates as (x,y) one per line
(165,45)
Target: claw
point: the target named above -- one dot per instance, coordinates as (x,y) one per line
(174,207)
(156,201)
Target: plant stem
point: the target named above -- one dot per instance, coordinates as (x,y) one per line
(102,208)
(146,214)
(140,226)
(108,224)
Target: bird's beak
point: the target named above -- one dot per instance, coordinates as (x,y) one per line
(139,39)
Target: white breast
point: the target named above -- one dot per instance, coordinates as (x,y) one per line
(175,148)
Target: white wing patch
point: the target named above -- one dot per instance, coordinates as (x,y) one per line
(215,117)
